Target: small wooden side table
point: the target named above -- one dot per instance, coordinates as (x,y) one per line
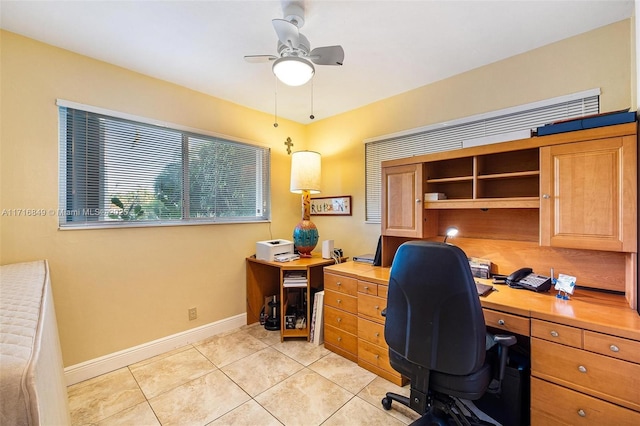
(266,278)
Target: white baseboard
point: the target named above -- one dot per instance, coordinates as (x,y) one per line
(104,364)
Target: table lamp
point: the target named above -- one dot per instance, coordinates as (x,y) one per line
(451,231)
(305,180)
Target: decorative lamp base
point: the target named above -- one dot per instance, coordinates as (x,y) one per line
(305,237)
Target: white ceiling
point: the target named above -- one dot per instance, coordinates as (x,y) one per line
(390,46)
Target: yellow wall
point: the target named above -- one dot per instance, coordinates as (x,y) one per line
(635,49)
(115,289)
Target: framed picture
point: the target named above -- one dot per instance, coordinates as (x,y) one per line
(331,206)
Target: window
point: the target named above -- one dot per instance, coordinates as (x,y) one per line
(453,135)
(117,171)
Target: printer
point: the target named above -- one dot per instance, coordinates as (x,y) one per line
(268,250)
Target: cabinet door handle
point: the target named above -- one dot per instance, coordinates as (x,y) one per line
(546,196)
(614,348)
(501,322)
(417,200)
(581,413)
(582,369)
(554,333)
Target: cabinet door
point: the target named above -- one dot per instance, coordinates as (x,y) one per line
(403,212)
(588,195)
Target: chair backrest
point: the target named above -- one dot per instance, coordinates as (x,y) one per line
(434,318)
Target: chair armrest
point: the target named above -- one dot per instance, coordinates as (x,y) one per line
(504,341)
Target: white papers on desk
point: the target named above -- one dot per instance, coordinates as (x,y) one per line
(286,257)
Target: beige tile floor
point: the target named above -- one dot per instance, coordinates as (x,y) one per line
(243,377)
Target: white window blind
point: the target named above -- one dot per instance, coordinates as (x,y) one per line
(450,135)
(121,172)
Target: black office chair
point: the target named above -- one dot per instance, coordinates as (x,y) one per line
(436,333)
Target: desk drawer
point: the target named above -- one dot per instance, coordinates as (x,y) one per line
(606,378)
(552,404)
(341,301)
(375,355)
(367,288)
(371,307)
(507,322)
(617,347)
(372,332)
(382,291)
(553,332)
(340,284)
(341,339)
(341,319)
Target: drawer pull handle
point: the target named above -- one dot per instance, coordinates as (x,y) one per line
(377,334)
(366,288)
(554,333)
(581,413)
(338,283)
(339,319)
(500,322)
(582,369)
(614,348)
(339,301)
(377,307)
(339,339)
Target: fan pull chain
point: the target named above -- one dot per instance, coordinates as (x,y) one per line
(312,116)
(275,114)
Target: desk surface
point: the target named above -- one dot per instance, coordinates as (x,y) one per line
(592,310)
(303,262)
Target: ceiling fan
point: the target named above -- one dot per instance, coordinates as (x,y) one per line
(293,65)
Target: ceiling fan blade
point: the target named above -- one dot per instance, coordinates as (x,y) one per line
(328,55)
(287,32)
(254,59)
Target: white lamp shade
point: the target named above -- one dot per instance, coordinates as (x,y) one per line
(305,172)
(293,71)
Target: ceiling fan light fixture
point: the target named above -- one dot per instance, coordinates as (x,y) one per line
(293,70)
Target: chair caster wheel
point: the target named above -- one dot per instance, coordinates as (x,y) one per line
(386,403)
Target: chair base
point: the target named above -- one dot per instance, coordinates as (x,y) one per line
(441,410)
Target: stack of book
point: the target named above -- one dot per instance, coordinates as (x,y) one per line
(294,279)
(434,196)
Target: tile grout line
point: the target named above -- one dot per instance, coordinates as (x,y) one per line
(267,341)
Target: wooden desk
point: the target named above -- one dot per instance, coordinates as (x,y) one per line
(585,352)
(265,278)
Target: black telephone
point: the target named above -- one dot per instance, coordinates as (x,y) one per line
(526,278)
